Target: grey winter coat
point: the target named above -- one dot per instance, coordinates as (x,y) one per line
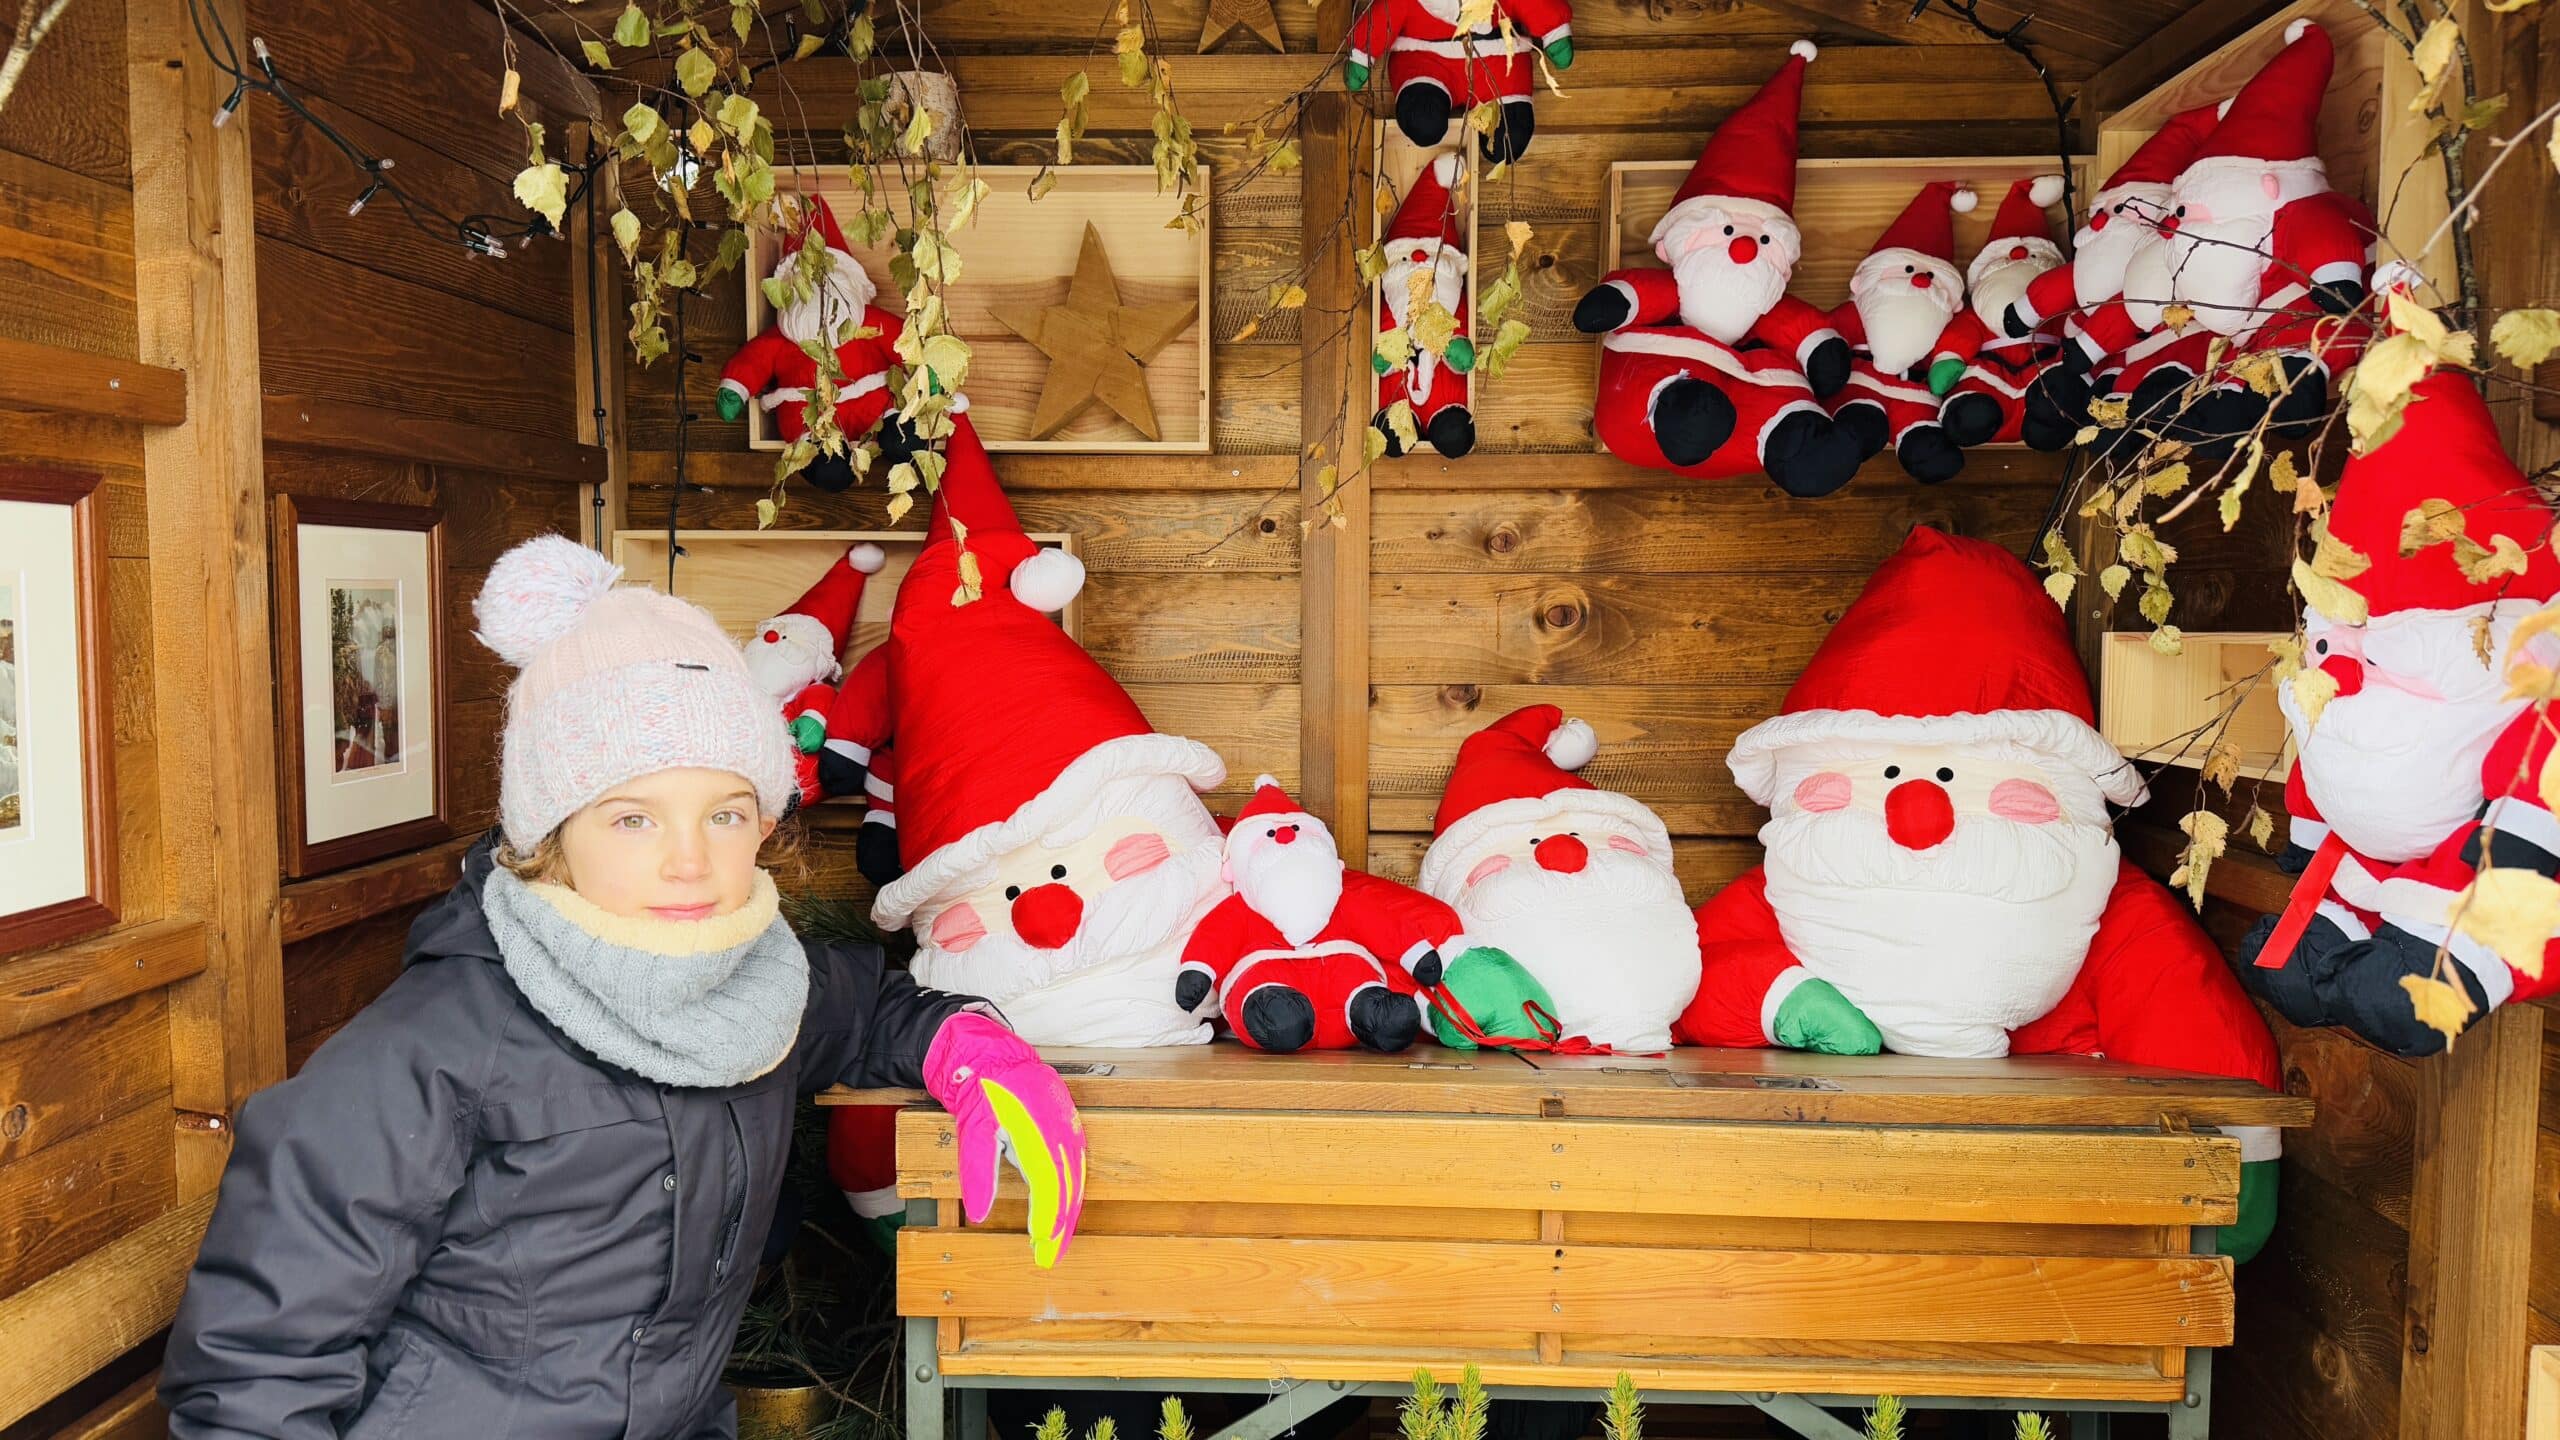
(454,1223)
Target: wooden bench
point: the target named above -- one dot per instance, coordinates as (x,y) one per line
(1766,1228)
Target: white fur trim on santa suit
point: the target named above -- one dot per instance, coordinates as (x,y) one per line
(2497,981)
(880,789)
(2057,733)
(1779,989)
(1738,206)
(776,398)
(1315,950)
(1446,863)
(962,865)
(858,754)
(877,1204)
(1713,354)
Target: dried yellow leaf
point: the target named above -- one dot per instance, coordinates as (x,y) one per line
(2335,558)
(2262,828)
(2434,58)
(2169,640)
(2281,475)
(2313,689)
(2432,521)
(2480,639)
(2222,765)
(2058,585)
(2526,338)
(2439,1006)
(2208,835)
(2176,317)
(2504,557)
(2112,580)
(2109,414)
(1518,233)
(2514,912)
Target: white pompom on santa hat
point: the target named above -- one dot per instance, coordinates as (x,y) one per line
(1752,156)
(1006,730)
(1518,771)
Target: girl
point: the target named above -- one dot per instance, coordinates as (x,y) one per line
(522,1193)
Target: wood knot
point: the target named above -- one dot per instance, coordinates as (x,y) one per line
(2295,1081)
(1270,525)
(14,1124)
(1560,615)
(1464,697)
(1503,539)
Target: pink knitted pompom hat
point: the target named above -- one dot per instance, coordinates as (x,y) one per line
(614,681)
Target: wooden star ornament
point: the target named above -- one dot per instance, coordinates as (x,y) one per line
(1098,348)
(1226,17)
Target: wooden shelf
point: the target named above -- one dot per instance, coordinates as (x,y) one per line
(744,576)
(2150,705)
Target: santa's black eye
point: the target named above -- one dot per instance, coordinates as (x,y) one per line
(1945,774)
(2320,647)
(1764,239)
(1910,269)
(1013,892)
(1057,872)
(2182,210)
(1537,839)
(1890,771)
(1728,229)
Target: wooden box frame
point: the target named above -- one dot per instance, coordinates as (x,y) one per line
(302,856)
(96,909)
(2146,700)
(1398,161)
(1005,370)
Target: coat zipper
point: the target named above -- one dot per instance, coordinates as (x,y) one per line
(738,1210)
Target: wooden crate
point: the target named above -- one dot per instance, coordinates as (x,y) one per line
(1707,1221)
(743,576)
(2151,706)
(1019,251)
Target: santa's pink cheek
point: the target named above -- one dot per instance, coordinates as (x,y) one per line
(2273,187)
(1489,867)
(1621,842)
(2024,801)
(1135,855)
(1822,793)
(958,928)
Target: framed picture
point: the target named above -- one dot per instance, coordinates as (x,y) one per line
(359,605)
(57,794)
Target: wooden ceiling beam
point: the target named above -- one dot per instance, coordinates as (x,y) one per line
(2206,27)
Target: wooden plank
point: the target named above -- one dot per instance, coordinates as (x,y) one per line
(312,906)
(54,985)
(68,1199)
(2542,1400)
(325,423)
(1771,1294)
(1117,532)
(2325,1306)
(2367,1103)
(1598,628)
(135,722)
(2167,51)
(1591,470)
(1168,628)
(63,1080)
(331,976)
(66,257)
(69,108)
(132,1413)
(1633,1166)
(654,470)
(596,317)
(1333,405)
(63,1328)
(79,383)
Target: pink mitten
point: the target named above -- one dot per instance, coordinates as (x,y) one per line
(1007,1100)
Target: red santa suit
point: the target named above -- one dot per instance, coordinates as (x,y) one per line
(793,655)
(1306,954)
(773,371)
(2421,770)
(1899,322)
(1709,367)
(1439,73)
(1423,245)
(1988,405)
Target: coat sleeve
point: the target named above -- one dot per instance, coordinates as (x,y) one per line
(1653,296)
(753,369)
(335,1192)
(1795,327)
(1745,968)
(1542,21)
(1962,339)
(1844,318)
(2048,295)
(1396,923)
(2105,330)
(1376,30)
(868,1025)
(2318,241)
(1218,941)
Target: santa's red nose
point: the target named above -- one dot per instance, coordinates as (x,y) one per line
(2347,670)
(1743,250)
(1284,835)
(773,637)
(1919,279)
(1562,854)
(1917,814)
(2098,221)
(1046,916)
(2168,225)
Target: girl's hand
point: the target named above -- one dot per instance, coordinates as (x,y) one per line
(1007,1101)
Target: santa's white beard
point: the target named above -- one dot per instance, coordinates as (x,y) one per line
(2003,284)
(836,304)
(2099,258)
(1901,325)
(2394,773)
(1448,290)
(1724,299)
(1946,949)
(1294,886)
(2215,267)
(785,667)
(1614,943)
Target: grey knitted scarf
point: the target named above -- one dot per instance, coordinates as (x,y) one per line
(704,1003)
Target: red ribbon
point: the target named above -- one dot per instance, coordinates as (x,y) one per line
(2303,903)
(1550,1039)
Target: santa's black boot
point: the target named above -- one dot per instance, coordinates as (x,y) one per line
(2057,406)
(875,854)
(2299,989)
(1395,447)
(2149,407)
(1970,419)
(1866,425)
(1928,456)
(1279,1019)
(898,440)
(1809,455)
(1422,113)
(1383,1020)
(1452,432)
(1190,988)
(840,774)
(831,473)
(2219,419)
(1691,420)
(2304,402)
(1509,139)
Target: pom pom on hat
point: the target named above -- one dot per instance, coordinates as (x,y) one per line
(867,558)
(538,592)
(1963,201)
(1805,48)
(1047,580)
(2045,189)
(2294,31)
(1572,744)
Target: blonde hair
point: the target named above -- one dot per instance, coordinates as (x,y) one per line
(784,855)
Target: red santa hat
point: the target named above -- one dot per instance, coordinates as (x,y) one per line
(1270,802)
(1752,155)
(815,214)
(1518,771)
(2019,230)
(2275,119)
(1951,643)
(2159,160)
(1928,224)
(822,618)
(1006,730)
(2446,449)
(1426,212)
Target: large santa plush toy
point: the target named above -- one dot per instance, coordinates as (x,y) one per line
(1941,876)
(2265,254)
(1055,851)
(1425,252)
(794,656)
(1710,367)
(1988,405)
(1440,73)
(1899,321)
(777,372)
(1572,881)
(1308,954)
(2422,770)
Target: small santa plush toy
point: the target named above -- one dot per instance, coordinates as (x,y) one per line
(793,655)
(1425,252)
(1988,405)
(1308,954)
(1710,367)
(1439,73)
(777,371)
(2266,254)
(2422,770)
(1941,875)
(1899,321)
(1572,881)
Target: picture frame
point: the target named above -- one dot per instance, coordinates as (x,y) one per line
(57,788)
(360,686)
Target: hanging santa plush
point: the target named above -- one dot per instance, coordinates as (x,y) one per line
(2264,253)
(2422,760)
(1988,405)
(1899,322)
(777,371)
(1710,367)
(1572,881)
(1426,257)
(1308,954)
(1941,875)
(1440,73)
(793,655)
(1055,850)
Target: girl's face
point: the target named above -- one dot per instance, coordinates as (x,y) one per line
(676,845)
